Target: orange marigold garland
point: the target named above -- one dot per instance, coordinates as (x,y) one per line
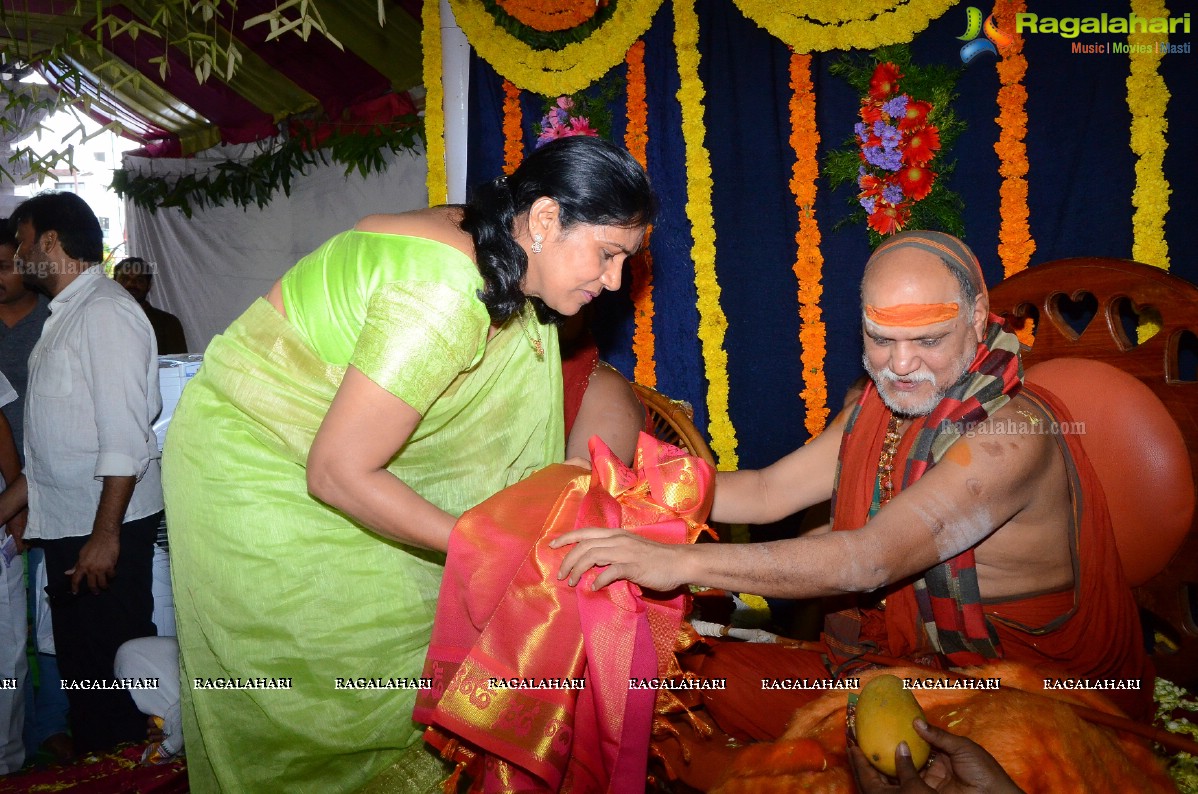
(549,15)
(513,128)
(1015,244)
(809,262)
(636,139)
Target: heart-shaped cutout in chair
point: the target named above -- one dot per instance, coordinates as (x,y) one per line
(1072,314)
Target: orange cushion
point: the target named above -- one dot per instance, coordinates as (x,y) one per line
(1138,452)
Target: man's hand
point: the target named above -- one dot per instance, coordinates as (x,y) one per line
(16,528)
(97,562)
(962,767)
(652,565)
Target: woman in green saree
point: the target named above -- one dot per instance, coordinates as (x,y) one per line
(400,374)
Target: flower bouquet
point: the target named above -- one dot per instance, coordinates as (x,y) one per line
(585,113)
(559,122)
(897,153)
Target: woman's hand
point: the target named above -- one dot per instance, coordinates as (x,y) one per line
(652,565)
(961,767)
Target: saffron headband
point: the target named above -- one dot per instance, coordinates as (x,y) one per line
(912,315)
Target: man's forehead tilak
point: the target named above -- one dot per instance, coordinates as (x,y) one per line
(953,253)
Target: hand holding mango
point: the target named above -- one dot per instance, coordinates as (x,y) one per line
(884,714)
(962,766)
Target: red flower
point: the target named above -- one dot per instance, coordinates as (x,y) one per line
(871,112)
(888,220)
(870,185)
(916,181)
(920,146)
(884,82)
(916,116)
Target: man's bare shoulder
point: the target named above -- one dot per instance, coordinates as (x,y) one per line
(1018,436)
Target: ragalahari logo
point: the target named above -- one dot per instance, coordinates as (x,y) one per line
(994,41)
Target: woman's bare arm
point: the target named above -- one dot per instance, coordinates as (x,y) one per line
(364,429)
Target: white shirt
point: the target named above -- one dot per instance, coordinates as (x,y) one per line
(7,395)
(93,396)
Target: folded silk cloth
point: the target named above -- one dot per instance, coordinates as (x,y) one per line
(530,677)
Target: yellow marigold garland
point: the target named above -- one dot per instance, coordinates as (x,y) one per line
(636,139)
(809,262)
(555,72)
(513,128)
(823,25)
(1015,244)
(1147,97)
(712,322)
(434,111)
(549,15)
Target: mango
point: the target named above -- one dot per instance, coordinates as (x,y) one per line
(884,713)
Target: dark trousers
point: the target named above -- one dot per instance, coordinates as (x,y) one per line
(88,629)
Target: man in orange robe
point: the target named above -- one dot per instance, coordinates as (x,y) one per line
(963,531)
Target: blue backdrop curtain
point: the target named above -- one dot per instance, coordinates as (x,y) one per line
(1080,185)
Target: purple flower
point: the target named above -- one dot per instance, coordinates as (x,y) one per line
(868,202)
(859,128)
(897,107)
(892,194)
(889,159)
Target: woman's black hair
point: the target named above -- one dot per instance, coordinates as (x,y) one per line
(592,181)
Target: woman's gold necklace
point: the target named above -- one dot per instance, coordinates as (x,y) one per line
(537,346)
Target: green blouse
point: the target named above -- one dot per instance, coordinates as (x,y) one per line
(403,310)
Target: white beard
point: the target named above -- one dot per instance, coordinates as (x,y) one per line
(905,409)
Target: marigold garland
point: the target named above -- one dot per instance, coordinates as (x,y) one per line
(809,262)
(1015,243)
(434,98)
(712,321)
(513,128)
(549,15)
(636,139)
(824,25)
(555,72)
(837,12)
(1148,97)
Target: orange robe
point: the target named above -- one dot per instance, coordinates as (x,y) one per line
(1041,743)
(1092,632)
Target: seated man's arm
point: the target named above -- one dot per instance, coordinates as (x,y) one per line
(982,482)
(803,478)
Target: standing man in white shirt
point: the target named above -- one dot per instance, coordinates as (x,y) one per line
(13,666)
(91,460)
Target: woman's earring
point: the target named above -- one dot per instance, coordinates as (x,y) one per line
(536,243)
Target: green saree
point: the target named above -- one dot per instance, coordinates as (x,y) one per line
(270,583)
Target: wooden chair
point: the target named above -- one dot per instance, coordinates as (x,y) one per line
(1089,308)
(674,422)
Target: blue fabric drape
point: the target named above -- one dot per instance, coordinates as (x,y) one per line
(1080,185)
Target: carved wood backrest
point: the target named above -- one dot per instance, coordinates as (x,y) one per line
(1091,308)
